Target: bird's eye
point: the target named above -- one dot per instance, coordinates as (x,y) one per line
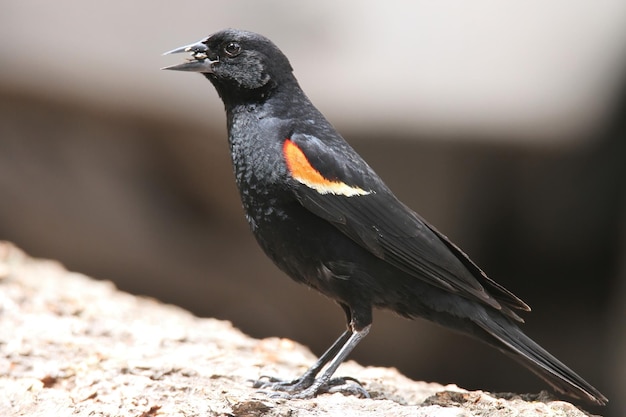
(232,49)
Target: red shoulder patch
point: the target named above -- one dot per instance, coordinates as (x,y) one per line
(302,171)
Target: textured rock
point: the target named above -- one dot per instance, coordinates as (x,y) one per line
(70,345)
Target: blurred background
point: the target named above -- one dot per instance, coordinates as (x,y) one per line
(503,123)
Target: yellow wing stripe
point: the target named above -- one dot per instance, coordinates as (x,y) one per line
(302,171)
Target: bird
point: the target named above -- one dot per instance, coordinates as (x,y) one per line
(328,221)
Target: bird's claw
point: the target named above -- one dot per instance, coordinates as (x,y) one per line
(269,383)
(350,389)
(305,389)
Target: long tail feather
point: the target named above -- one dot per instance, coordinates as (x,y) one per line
(515,344)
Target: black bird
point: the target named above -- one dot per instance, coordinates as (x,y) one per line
(328,221)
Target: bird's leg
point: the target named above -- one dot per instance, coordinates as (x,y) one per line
(308,386)
(307,379)
(324,381)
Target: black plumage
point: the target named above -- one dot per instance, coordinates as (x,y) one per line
(327,220)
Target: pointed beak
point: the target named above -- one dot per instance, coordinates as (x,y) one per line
(199,61)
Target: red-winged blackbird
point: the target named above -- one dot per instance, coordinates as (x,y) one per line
(327,220)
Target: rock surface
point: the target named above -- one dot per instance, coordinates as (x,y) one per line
(74,346)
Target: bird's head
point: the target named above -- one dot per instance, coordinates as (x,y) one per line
(237,62)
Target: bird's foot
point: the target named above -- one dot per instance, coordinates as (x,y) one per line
(269,383)
(347,386)
(302,388)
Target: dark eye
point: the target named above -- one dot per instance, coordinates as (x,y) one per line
(232,49)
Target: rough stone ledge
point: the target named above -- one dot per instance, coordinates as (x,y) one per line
(73,346)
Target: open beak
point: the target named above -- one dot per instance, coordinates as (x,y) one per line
(199,61)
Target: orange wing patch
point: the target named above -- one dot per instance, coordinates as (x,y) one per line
(302,171)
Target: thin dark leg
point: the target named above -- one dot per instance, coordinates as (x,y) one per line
(345,350)
(307,379)
(308,385)
(330,353)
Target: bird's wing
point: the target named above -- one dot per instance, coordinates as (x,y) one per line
(337,185)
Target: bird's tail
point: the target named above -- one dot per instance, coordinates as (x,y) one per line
(515,344)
